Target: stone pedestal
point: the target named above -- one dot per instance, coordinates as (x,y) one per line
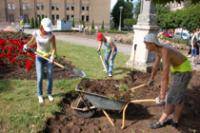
(140,58)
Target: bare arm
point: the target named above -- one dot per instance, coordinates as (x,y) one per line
(155,67)
(165,74)
(31,41)
(53,46)
(113,46)
(99,46)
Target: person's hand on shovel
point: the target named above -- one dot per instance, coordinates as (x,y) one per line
(51,59)
(25,48)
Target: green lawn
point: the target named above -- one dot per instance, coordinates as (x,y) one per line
(20,111)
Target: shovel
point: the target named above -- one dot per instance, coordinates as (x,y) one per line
(102,61)
(75,70)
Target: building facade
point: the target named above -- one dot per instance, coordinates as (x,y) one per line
(87,11)
(173,6)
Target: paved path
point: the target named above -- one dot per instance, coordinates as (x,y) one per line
(77,40)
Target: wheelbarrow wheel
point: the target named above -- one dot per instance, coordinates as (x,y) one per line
(83,103)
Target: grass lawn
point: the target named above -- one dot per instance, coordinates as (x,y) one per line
(20,111)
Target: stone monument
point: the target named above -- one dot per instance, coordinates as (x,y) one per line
(140,58)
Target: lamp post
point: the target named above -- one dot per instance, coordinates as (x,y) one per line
(120,19)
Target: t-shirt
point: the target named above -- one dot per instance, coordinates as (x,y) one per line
(43,42)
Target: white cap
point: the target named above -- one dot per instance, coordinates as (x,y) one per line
(46,24)
(152,38)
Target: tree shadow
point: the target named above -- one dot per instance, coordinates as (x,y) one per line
(4,86)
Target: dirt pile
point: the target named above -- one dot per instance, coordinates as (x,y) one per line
(138,116)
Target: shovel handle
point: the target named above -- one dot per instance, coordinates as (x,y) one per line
(137,87)
(57,64)
(143,101)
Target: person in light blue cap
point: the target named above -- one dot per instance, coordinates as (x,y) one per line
(173,97)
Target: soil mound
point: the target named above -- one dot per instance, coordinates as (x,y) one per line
(139,116)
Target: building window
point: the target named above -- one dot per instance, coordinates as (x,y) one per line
(52,17)
(82,17)
(9,7)
(87,18)
(42,7)
(57,8)
(57,16)
(67,17)
(83,8)
(13,6)
(72,16)
(72,8)
(87,8)
(52,7)
(67,8)
(24,7)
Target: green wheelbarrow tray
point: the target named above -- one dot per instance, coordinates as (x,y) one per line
(102,102)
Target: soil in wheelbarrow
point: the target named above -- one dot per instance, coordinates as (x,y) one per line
(138,116)
(10,71)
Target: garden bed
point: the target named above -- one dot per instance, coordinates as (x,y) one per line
(138,116)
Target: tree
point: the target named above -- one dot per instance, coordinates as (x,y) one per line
(36,23)
(129,22)
(32,23)
(102,26)
(126,12)
(92,25)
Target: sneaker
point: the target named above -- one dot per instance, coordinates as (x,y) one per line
(171,122)
(50,98)
(41,100)
(156,125)
(109,75)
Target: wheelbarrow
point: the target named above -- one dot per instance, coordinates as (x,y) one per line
(88,103)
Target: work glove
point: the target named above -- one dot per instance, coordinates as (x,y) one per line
(51,59)
(159,101)
(150,82)
(25,48)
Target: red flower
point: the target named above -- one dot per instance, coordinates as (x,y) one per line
(29,64)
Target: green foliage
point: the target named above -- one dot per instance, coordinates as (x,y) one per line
(39,20)
(36,25)
(187,18)
(102,26)
(126,12)
(130,22)
(92,25)
(123,87)
(32,23)
(73,22)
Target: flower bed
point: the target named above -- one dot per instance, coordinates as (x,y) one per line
(11,50)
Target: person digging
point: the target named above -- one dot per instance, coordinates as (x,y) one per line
(110,51)
(180,67)
(46,46)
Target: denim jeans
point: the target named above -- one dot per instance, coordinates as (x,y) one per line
(40,64)
(109,60)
